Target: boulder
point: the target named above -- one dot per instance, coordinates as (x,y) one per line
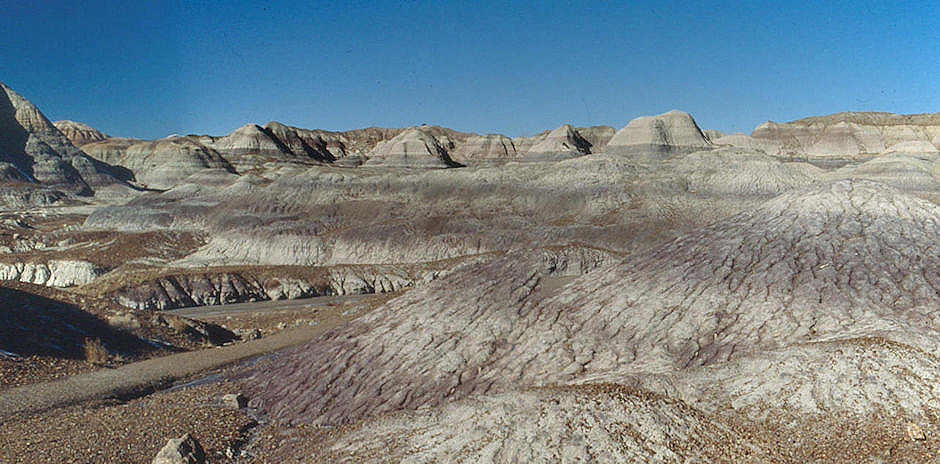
(234,400)
(183,450)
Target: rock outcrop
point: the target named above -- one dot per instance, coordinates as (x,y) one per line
(54,273)
(659,136)
(79,134)
(186,289)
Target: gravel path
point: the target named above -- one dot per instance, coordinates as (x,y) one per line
(142,377)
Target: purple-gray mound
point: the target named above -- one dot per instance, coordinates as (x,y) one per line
(848,259)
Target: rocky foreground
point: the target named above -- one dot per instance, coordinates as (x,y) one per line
(657,293)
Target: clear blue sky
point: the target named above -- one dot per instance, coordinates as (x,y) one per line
(148,69)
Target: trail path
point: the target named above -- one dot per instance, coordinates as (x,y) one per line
(143,377)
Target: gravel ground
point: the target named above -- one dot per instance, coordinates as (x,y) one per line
(35,369)
(132,432)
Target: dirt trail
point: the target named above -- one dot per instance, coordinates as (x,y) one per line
(143,377)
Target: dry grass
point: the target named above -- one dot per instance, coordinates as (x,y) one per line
(95,352)
(127,321)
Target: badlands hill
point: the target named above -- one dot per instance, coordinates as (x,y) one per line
(842,137)
(79,134)
(840,261)
(657,293)
(562,143)
(828,141)
(668,133)
(35,151)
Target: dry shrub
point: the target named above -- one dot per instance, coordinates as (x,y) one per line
(126,321)
(178,324)
(95,352)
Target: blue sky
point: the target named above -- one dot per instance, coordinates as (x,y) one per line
(148,69)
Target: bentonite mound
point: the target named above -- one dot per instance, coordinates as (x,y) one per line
(659,136)
(851,133)
(250,139)
(848,259)
(907,171)
(859,377)
(601,423)
(79,134)
(562,143)
(741,171)
(413,148)
(40,153)
(489,147)
(162,163)
(310,147)
(852,258)
(431,335)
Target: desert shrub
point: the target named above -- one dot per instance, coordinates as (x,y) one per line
(124,321)
(95,352)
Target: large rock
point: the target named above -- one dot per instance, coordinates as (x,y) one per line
(659,136)
(79,134)
(183,450)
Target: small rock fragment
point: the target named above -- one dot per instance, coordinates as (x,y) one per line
(248,334)
(235,400)
(183,450)
(915,432)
